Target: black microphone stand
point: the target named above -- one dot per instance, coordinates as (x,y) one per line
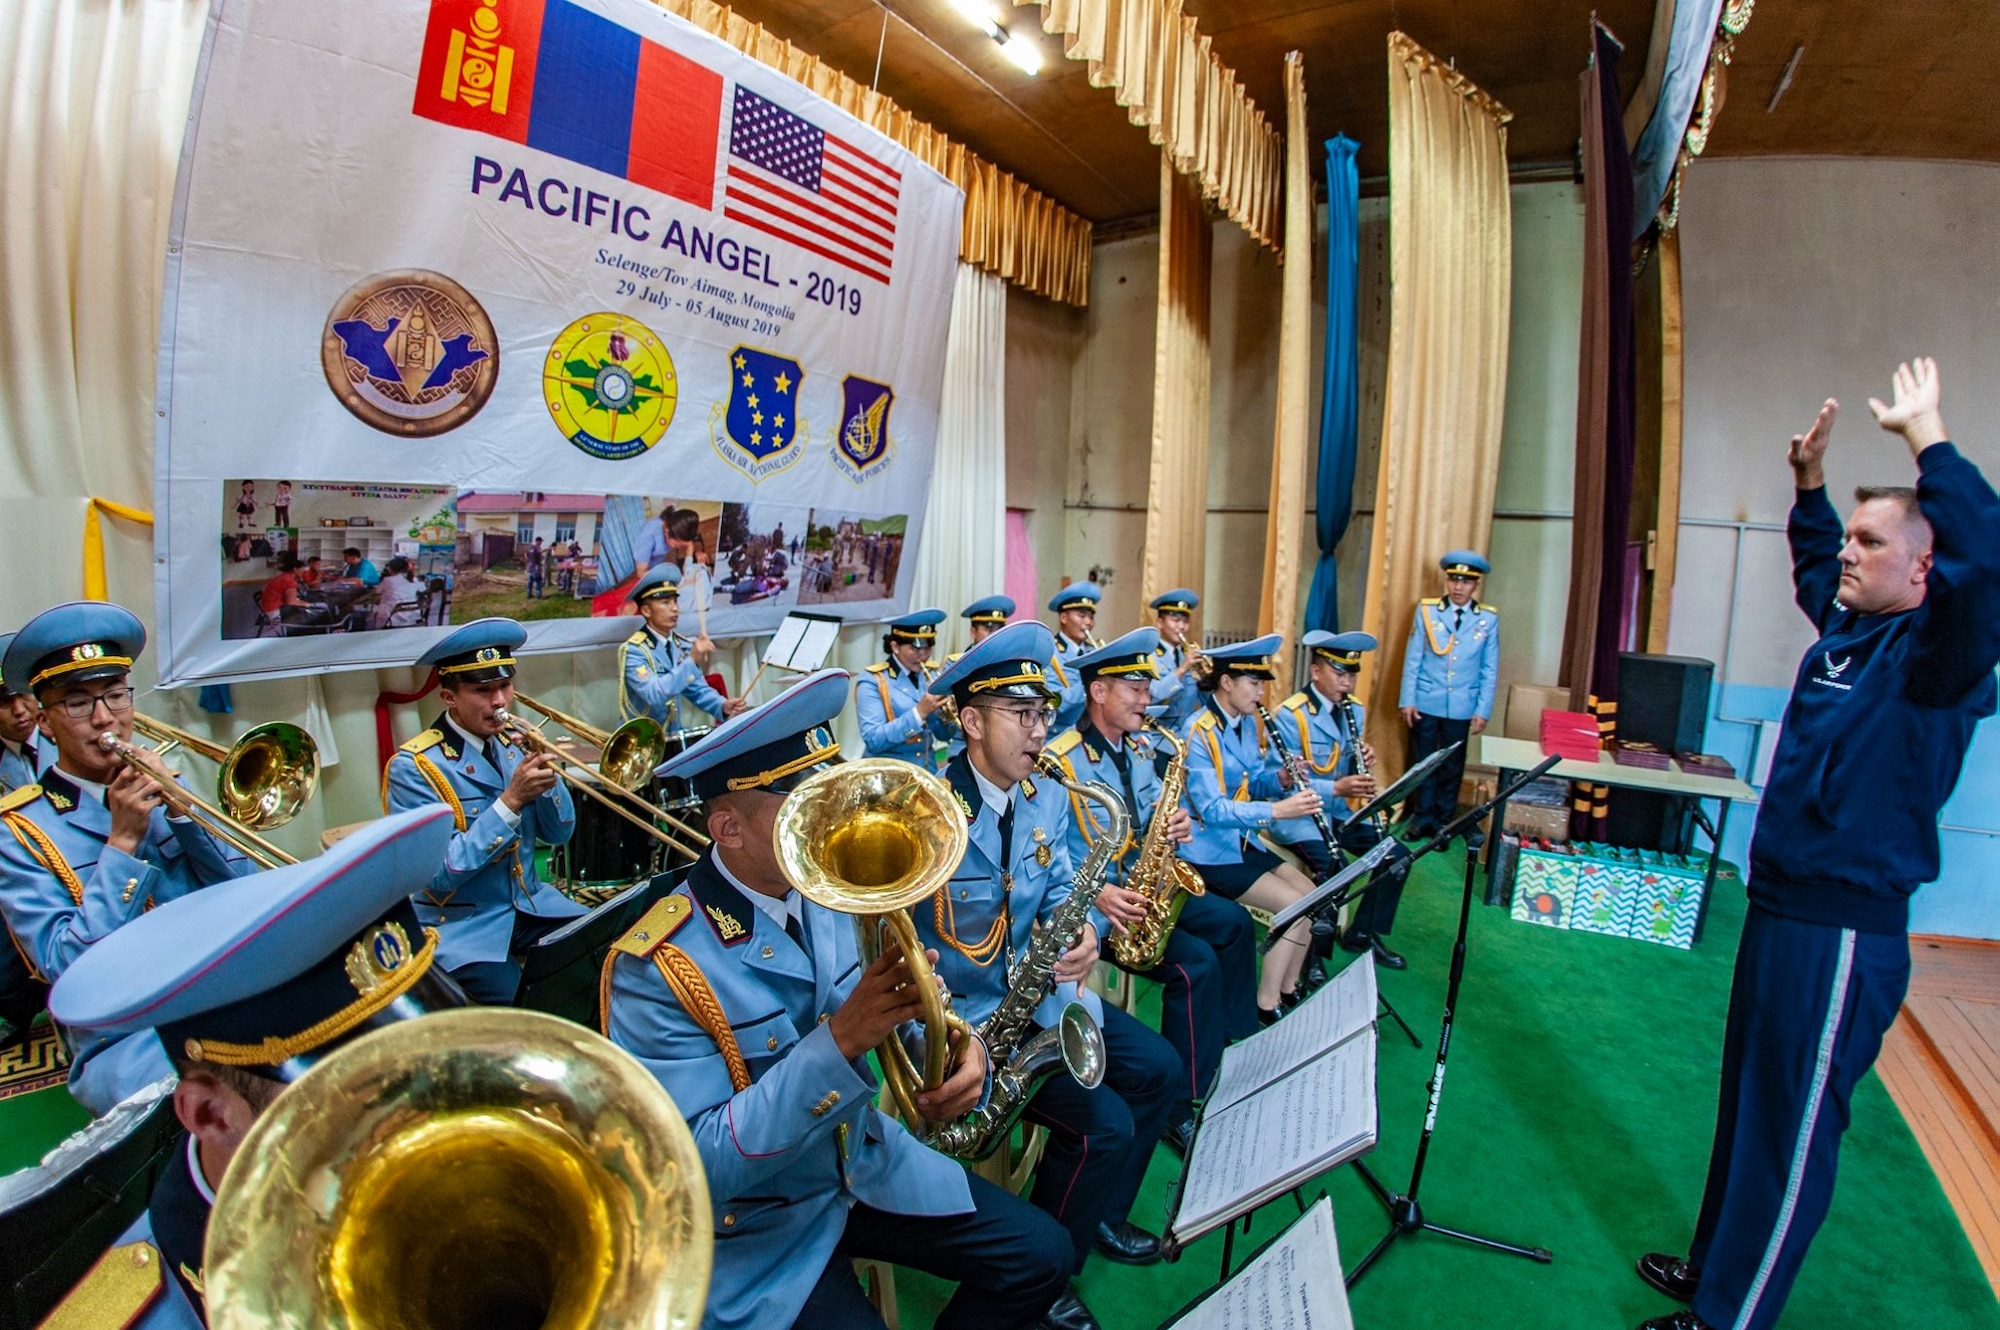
(1406,1216)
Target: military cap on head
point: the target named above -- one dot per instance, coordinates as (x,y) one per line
(1340,650)
(771,747)
(74,643)
(1011,663)
(6,689)
(1252,657)
(1465,563)
(659,582)
(1178,601)
(1127,657)
(271,972)
(918,626)
(481,651)
(993,609)
(1076,596)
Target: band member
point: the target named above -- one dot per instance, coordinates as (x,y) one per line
(90,846)
(1886,703)
(486,900)
(897,715)
(660,673)
(249,986)
(1015,873)
(1235,789)
(21,758)
(751,1006)
(1075,608)
(1208,974)
(1320,729)
(1177,656)
(1450,668)
(987,617)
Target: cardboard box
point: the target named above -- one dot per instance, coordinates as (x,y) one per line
(1525,704)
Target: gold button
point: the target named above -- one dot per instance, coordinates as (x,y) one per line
(819,1110)
(729,1221)
(772,1043)
(832,1097)
(768,953)
(824,1017)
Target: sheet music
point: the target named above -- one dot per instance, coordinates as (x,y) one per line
(802,643)
(1338,1012)
(1294,1284)
(1321,1115)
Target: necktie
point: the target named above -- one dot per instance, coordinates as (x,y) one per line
(1123,761)
(1458,619)
(1007,838)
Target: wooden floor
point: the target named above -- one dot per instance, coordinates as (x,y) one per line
(1941,1063)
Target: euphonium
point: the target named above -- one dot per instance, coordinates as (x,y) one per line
(1158,874)
(1075,1042)
(481,1167)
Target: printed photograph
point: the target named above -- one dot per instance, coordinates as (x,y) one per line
(754,561)
(845,558)
(641,531)
(528,554)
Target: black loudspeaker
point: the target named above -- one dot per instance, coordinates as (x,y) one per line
(1662,701)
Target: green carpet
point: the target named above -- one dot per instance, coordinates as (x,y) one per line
(1577,1117)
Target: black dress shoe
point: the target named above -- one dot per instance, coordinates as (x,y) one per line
(1680,1320)
(1288,1000)
(1126,1244)
(1268,1015)
(1355,940)
(1384,957)
(1670,1275)
(1069,1313)
(1179,1138)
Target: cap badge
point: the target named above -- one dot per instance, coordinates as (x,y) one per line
(488,653)
(86,651)
(372,960)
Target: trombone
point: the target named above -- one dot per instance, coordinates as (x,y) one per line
(181,803)
(594,785)
(626,756)
(263,779)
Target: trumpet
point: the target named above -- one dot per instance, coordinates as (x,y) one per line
(593,785)
(626,756)
(181,803)
(263,779)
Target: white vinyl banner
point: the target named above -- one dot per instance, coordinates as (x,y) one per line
(490,306)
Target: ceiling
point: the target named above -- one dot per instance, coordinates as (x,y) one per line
(1878,77)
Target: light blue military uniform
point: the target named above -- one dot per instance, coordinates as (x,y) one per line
(991,612)
(886,697)
(63,888)
(1451,665)
(1316,730)
(795,1140)
(1179,693)
(1232,774)
(36,754)
(488,874)
(1068,685)
(657,674)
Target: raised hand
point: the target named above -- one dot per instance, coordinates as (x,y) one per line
(1914,414)
(533,778)
(1808,450)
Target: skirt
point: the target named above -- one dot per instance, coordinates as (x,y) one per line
(1231,880)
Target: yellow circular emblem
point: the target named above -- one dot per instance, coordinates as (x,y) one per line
(610,386)
(410,352)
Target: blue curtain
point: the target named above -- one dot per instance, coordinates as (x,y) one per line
(1339,420)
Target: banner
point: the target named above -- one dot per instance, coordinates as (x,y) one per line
(489,306)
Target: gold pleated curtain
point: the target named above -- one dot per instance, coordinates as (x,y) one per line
(1286,526)
(1450,276)
(1016,232)
(1177,482)
(1169,80)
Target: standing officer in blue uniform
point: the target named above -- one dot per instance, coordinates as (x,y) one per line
(661,672)
(1907,604)
(21,758)
(90,846)
(1208,975)
(250,985)
(1450,669)
(1178,657)
(750,1004)
(1315,725)
(1075,608)
(487,902)
(986,617)
(1015,873)
(897,715)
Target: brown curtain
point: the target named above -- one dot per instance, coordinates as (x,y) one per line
(1450,269)
(1011,230)
(1282,534)
(1177,483)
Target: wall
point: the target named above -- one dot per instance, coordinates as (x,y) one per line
(1805,279)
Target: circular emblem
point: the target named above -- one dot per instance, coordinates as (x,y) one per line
(410,352)
(610,386)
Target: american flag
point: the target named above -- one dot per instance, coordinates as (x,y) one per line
(791,179)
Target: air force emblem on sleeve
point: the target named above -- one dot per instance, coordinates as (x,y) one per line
(760,431)
(863,446)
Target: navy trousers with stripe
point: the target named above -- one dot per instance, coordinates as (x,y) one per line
(1807,1011)
(1208,980)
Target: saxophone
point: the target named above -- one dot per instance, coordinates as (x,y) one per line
(1158,874)
(1074,1042)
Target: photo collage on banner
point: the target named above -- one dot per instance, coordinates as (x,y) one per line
(518,300)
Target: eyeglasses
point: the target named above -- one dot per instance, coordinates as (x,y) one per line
(78,706)
(1028,718)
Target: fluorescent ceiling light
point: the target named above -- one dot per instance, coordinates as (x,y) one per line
(981,15)
(1024,52)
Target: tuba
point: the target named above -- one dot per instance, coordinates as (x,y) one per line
(481,1167)
(1161,876)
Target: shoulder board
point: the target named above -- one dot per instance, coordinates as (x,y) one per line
(1483,606)
(655,926)
(1204,719)
(637,639)
(1431,600)
(879,667)
(428,739)
(26,794)
(952,659)
(1063,742)
(1295,702)
(121,1284)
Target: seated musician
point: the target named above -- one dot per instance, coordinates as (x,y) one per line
(985,617)
(659,671)
(90,846)
(1015,873)
(487,902)
(1075,608)
(1234,790)
(1318,726)
(248,986)
(751,1005)
(21,757)
(898,717)
(1208,972)
(1175,687)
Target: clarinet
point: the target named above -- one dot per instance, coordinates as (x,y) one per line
(1301,780)
(1360,757)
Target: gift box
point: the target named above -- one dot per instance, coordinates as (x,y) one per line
(1569,734)
(1545,878)
(1706,764)
(1665,899)
(1640,755)
(1605,887)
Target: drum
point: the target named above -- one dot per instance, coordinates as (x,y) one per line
(672,792)
(605,849)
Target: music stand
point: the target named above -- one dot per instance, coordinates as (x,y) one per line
(559,974)
(800,646)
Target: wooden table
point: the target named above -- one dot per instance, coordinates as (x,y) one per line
(1516,755)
